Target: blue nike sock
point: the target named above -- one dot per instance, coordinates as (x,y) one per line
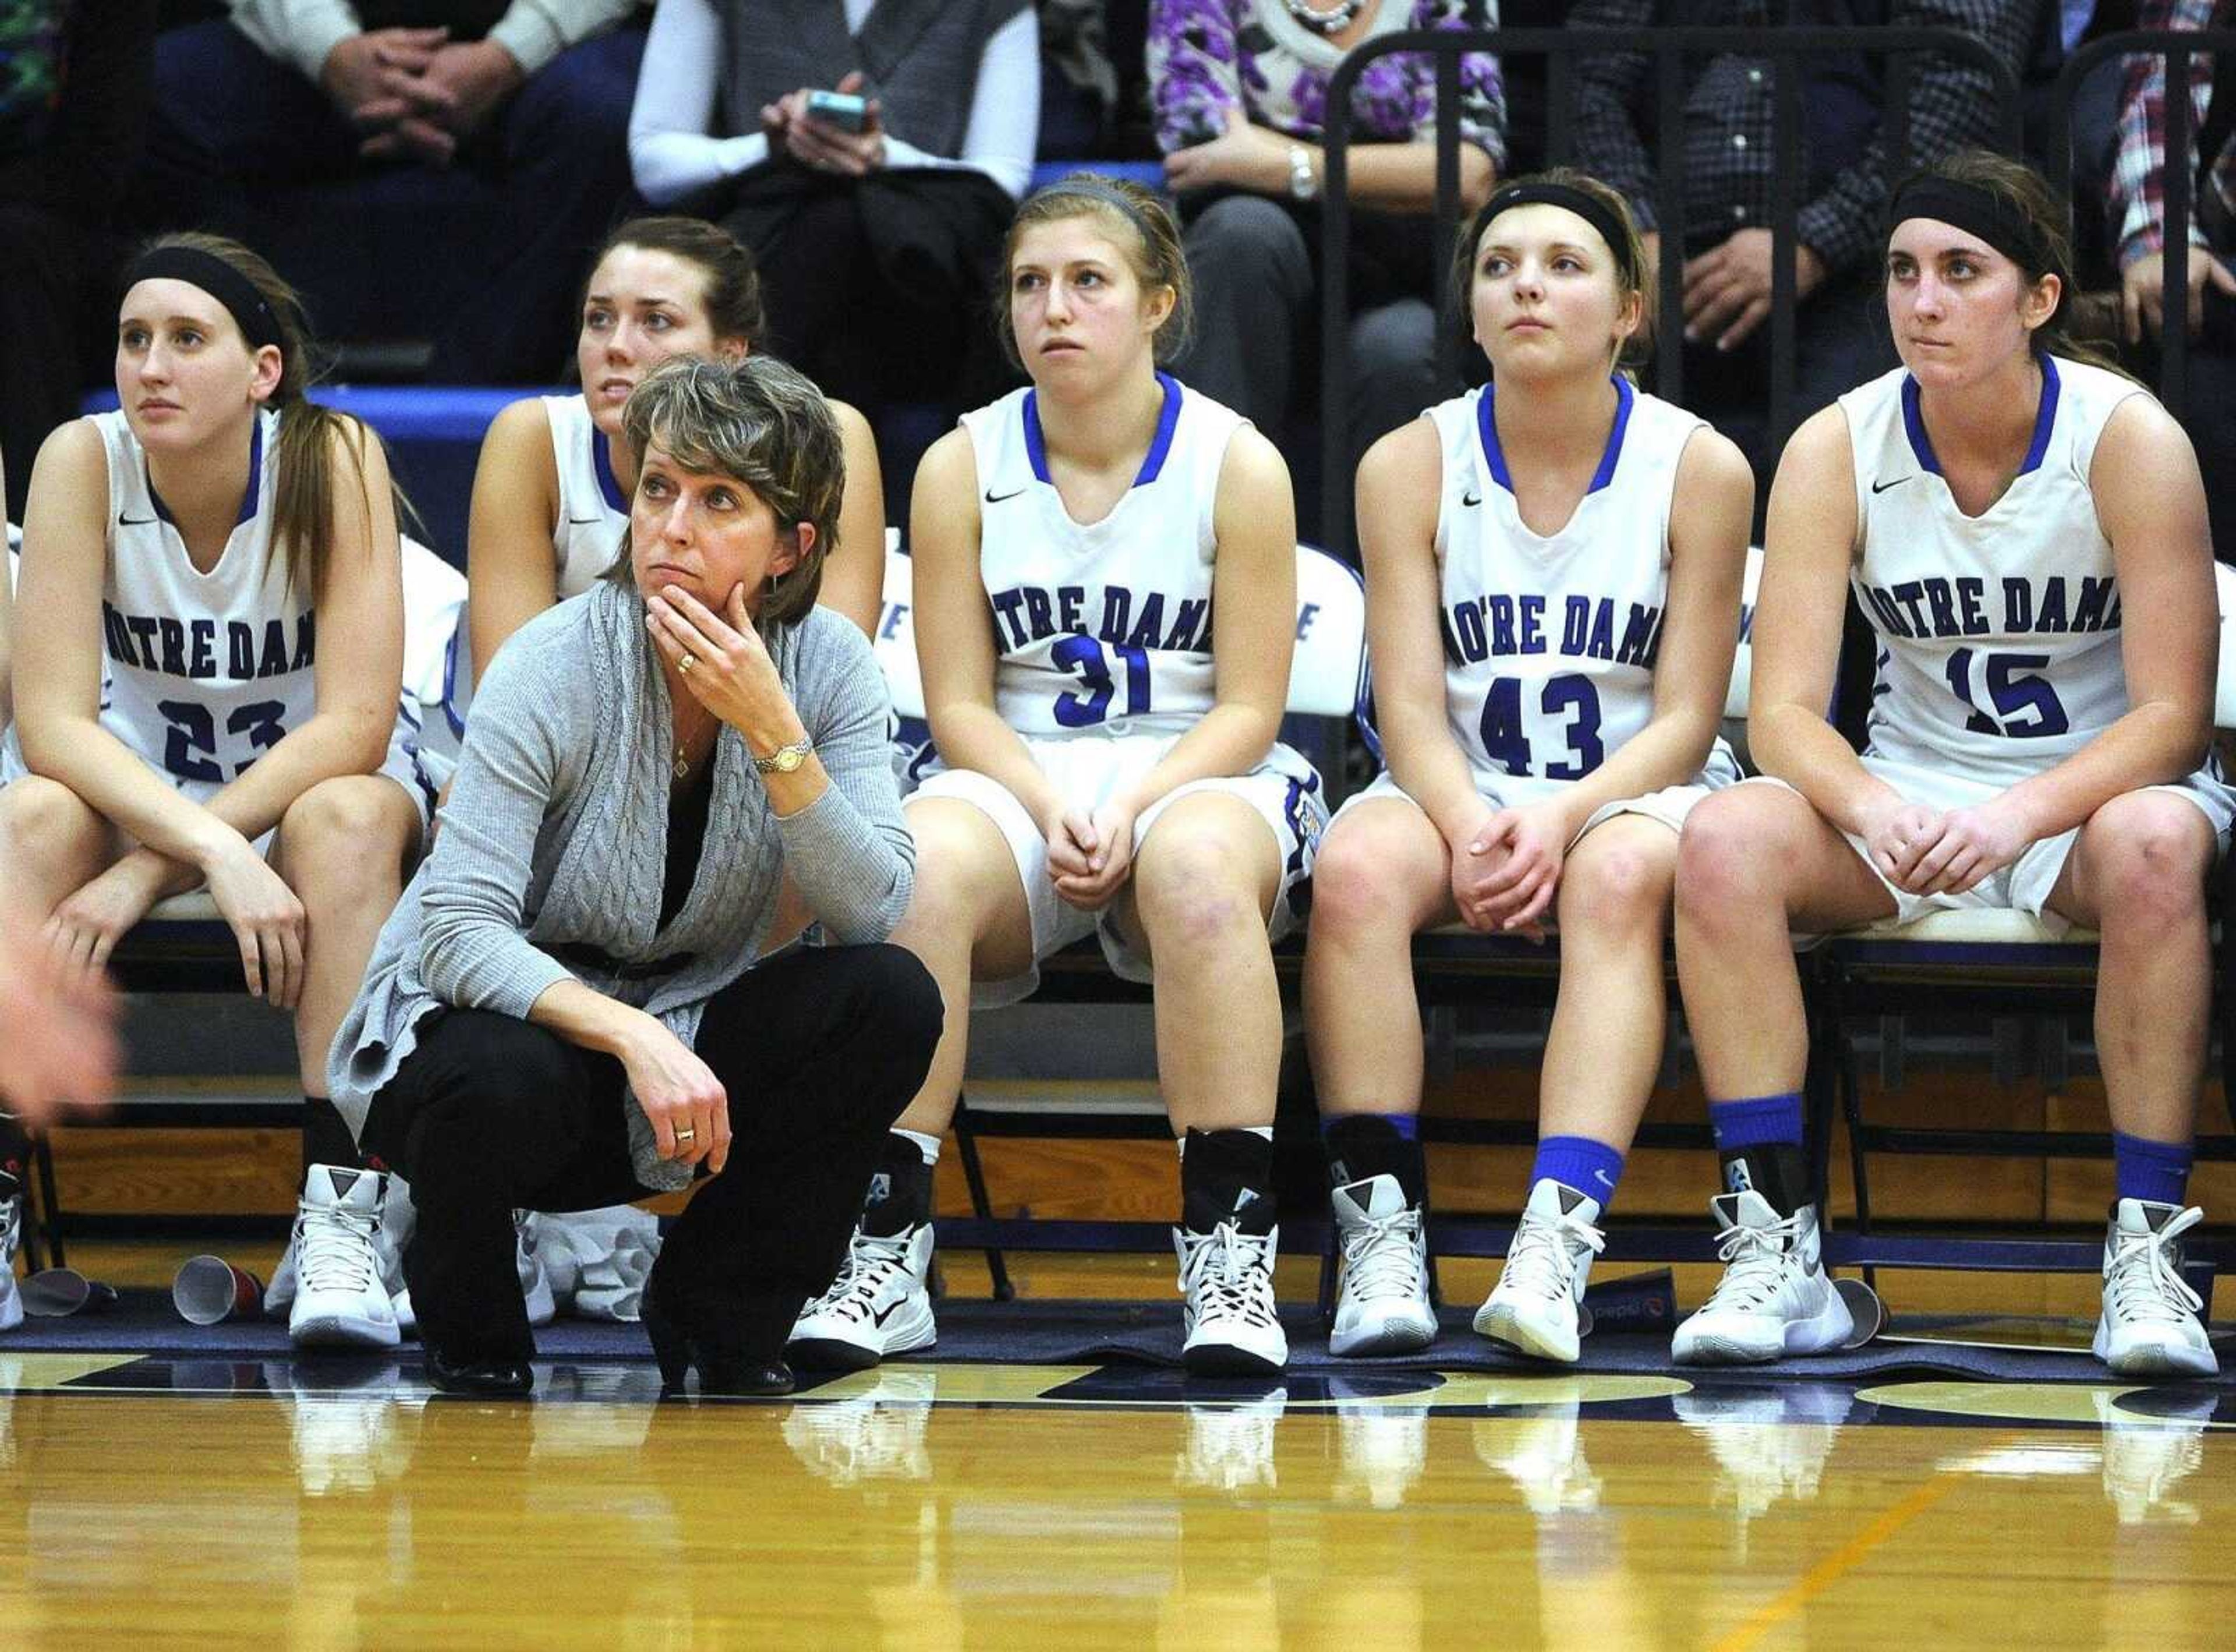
(1591,1168)
(2158,1171)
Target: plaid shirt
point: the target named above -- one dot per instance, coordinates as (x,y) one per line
(2138,186)
(30,70)
(1727,115)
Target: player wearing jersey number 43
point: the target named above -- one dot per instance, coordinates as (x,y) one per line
(1106,600)
(1553,574)
(2025,531)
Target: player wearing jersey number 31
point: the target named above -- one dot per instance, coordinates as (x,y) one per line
(1106,607)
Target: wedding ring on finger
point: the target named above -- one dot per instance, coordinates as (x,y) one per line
(685,664)
(687,1135)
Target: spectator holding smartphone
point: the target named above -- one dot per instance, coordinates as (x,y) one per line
(876,230)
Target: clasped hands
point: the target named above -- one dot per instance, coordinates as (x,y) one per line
(1506,872)
(1944,851)
(416,94)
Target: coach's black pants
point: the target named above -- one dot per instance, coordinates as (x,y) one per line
(820,1050)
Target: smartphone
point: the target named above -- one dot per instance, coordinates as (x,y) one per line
(848,111)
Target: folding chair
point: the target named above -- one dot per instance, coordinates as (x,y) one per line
(1990,963)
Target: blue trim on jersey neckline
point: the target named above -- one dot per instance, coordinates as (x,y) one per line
(249,500)
(1625,397)
(602,461)
(1152,462)
(2045,418)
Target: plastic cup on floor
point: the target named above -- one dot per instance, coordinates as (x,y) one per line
(209,1290)
(57,1292)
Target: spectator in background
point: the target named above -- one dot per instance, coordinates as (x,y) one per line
(2061,28)
(1725,235)
(1238,90)
(2138,205)
(74,78)
(1079,82)
(531,95)
(876,246)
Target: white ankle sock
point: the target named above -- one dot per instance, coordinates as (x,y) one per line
(927,1145)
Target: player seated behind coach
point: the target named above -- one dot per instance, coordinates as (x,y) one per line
(663,780)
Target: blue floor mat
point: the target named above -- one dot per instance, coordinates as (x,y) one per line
(1065,1333)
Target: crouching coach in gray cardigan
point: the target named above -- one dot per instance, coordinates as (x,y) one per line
(664,779)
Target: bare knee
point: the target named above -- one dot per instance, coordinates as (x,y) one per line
(1195,882)
(331,835)
(1354,891)
(1731,856)
(2148,855)
(1618,891)
(57,840)
(44,817)
(961,863)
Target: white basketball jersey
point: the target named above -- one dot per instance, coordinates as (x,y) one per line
(1109,626)
(1999,634)
(1549,642)
(205,672)
(593,510)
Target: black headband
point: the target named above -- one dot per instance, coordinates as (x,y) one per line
(1094,188)
(251,312)
(1998,221)
(1592,210)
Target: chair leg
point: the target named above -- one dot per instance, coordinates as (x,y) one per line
(1325,1297)
(50,1204)
(2224,972)
(1851,1107)
(974,1173)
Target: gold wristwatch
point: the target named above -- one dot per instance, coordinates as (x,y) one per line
(784,760)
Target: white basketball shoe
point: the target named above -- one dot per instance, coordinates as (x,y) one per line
(535,1283)
(1230,1325)
(11,1238)
(1534,1308)
(2149,1327)
(879,1307)
(1382,1306)
(1775,1298)
(398,1216)
(340,1299)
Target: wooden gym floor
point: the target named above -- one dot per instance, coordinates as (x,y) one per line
(152,1503)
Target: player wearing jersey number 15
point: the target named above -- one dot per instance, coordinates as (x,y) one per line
(2026,528)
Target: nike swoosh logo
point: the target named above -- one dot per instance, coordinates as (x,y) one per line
(993,497)
(1880,487)
(1470,499)
(887,1312)
(584,522)
(123,521)
(1604,1179)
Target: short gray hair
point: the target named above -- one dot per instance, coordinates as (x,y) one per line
(762,423)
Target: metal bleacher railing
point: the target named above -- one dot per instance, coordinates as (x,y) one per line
(1787,50)
(1872,977)
(2178,48)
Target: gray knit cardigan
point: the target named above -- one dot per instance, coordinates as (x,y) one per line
(555,836)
